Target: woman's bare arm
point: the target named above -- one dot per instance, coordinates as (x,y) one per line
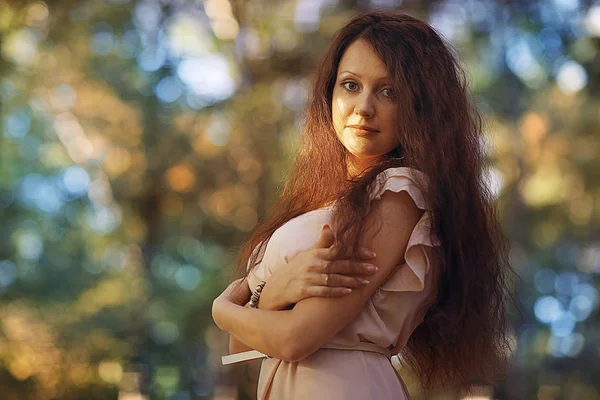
(236,346)
(292,335)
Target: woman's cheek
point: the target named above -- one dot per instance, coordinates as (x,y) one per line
(342,106)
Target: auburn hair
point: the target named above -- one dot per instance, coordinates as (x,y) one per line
(463,338)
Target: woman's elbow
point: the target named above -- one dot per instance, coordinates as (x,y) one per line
(235,346)
(298,348)
(290,340)
(290,346)
(284,350)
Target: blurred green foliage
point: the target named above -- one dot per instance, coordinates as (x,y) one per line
(142,141)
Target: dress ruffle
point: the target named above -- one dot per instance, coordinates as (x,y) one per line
(416,255)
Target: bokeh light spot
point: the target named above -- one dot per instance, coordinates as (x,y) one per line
(164,332)
(168,89)
(188,277)
(571,77)
(181,178)
(547,309)
(75,180)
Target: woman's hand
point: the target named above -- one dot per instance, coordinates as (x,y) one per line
(314,273)
(237,292)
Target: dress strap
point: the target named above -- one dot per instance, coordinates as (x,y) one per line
(361,346)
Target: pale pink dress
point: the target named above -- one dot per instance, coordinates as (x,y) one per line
(387,319)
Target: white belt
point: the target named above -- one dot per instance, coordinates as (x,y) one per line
(361,346)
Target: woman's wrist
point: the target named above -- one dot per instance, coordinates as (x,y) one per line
(223,304)
(256,294)
(269,301)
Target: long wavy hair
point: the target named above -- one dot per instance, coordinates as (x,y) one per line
(463,338)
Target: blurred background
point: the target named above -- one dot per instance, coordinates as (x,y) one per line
(142,141)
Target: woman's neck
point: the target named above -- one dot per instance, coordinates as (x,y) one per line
(357,167)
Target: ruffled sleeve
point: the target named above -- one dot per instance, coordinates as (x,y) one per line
(409,276)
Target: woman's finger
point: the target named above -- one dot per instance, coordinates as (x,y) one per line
(367,254)
(324,254)
(237,291)
(347,267)
(336,280)
(327,291)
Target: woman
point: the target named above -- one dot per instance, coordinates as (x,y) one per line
(391,160)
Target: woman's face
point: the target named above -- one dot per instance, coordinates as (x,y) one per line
(363,106)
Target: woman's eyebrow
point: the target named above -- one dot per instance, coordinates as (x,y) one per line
(350,72)
(383,78)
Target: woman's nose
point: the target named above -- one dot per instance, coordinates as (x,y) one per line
(364,105)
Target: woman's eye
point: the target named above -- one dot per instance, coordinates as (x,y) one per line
(351,86)
(388,92)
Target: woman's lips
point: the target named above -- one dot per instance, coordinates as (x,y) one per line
(363,127)
(362,131)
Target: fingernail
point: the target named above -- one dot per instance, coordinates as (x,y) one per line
(371,268)
(347,290)
(368,253)
(363,281)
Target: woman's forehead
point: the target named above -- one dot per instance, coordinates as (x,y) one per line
(360,60)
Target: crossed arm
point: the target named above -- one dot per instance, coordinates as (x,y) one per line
(237,346)
(293,335)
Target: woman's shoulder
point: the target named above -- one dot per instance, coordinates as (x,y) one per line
(413,174)
(397,179)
